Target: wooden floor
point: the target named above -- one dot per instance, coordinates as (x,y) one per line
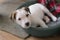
(8,36)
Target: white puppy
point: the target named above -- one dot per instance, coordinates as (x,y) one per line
(26,16)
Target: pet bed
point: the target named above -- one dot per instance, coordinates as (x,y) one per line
(53,29)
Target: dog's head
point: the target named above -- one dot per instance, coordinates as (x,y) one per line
(22,17)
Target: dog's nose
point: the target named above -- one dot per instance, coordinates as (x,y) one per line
(27,24)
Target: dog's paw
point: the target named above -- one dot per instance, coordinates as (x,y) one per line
(38,26)
(45,27)
(48,20)
(42,26)
(54,19)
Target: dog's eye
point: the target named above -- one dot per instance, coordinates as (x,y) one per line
(27,15)
(19,19)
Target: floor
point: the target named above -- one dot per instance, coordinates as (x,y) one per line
(6,7)
(8,36)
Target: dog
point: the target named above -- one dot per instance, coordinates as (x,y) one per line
(34,14)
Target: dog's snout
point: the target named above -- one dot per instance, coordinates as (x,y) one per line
(27,24)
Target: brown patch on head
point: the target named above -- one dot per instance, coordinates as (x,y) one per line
(27,9)
(13,16)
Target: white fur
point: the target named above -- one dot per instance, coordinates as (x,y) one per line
(37,14)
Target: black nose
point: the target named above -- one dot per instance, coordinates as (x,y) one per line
(27,24)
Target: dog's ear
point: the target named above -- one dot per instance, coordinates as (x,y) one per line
(13,15)
(27,9)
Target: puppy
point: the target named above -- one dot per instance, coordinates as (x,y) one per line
(34,14)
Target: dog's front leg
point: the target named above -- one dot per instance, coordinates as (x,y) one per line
(52,16)
(48,12)
(42,24)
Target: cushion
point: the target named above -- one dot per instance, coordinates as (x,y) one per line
(53,29)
